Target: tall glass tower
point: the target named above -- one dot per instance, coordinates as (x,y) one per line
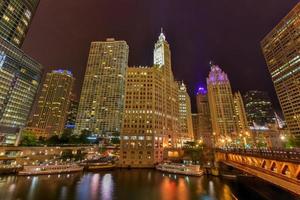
(102,97)
(281,50)
(15,18)
(19,74)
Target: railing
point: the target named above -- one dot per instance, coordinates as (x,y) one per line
(274,154)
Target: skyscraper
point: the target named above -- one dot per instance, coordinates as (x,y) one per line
(72,114)
(101,103)
(203,109)
(185,113)
(281,50)
(53,102)
(20,75)
(258,108)
(15,18)
(221,106)
(151,121)
(202,101)
(240,113)
(19,79)
(202,121)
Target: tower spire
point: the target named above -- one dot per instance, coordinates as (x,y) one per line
(162,36)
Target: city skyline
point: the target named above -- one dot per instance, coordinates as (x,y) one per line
(89,110)
(187,56)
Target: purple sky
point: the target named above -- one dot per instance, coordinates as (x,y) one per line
(226,31)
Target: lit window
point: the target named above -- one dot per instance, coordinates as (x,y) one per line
(6,18)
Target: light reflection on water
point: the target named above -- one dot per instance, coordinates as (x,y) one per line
(124,184)
(107,187)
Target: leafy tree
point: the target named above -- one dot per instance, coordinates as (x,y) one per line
(28,139)
(83,137)
(115,138)
(65,137)
(53,140)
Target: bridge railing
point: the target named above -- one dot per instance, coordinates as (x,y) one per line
(275,154)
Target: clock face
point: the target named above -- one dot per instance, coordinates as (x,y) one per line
(159,56)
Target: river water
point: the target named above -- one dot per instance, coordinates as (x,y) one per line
(136,184)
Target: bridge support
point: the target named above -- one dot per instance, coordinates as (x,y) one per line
(282,173)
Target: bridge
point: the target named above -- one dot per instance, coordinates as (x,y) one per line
(278,166)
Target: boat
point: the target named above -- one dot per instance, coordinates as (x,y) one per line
(190,170)
(50,169)
(99,166)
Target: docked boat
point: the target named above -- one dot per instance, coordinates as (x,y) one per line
(190,170)
(50,169)
(99,166)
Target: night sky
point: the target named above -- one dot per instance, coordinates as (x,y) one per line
(225,31)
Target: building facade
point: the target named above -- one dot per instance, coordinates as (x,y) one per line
(185,113)
(72,114)
(15,18)
(281,50)
(240,113)
(101,103)
(53,102)
(258,108)
(151,121)
(19,79)
(221,106)
(203,112)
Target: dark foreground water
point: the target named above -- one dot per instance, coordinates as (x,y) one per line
(136,185)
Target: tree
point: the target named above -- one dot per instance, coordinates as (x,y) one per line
(115,138)
(53,140)
(28,139)
(65,137)
(83,137)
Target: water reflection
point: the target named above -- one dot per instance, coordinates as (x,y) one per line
(130,184)
(95,186)
(32,188)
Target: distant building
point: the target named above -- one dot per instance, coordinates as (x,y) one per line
(101,104)
(19,79)
(281,50)
(196,127)
(240,113)
(202,102)
(15,18)
(221,106)
(39,133)
(53,102)
(202,129)
(72,114)
(185,113)
(203,113)
(151,121)
(258,108)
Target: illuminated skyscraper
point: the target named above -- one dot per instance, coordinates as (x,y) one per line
(19,74)
(101,103)
(281,50)
(258,108)
(15,18)
(19,81)
(185,113)
(221,105)
(151,120)
(240,113)
(53,102)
